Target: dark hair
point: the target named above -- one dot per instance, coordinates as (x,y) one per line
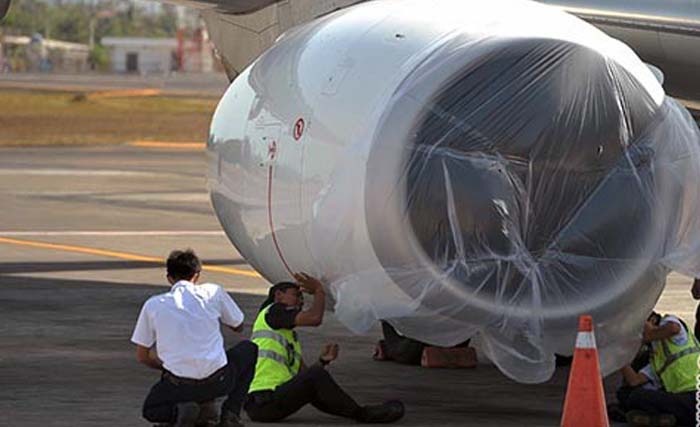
(654,318)
(183,265)
(282,287)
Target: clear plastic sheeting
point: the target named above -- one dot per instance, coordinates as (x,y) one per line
(481,168)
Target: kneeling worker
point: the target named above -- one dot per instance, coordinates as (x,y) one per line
(282,384)
(195,368)
(673,365)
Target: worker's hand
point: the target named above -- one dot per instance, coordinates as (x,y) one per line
(649,328)
(329,353)
(308,284)
(696,289)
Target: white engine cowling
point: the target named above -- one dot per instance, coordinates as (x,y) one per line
(462,167)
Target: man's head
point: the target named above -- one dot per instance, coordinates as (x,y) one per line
(654,318)
(183,265)
(287,293)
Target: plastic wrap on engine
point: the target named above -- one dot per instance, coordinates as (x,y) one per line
(540,182)
(463,168)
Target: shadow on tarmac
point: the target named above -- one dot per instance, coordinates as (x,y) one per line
(66,360)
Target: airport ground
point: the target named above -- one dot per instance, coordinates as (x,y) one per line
(83,231)
(104,117)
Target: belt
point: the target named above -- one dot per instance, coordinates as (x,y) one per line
(174,379)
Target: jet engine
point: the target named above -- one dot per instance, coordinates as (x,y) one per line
(460,168)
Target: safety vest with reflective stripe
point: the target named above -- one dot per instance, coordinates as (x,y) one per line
(279,355)
(677,365)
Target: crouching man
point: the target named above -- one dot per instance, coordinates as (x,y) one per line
(283,384)
(183,325)
(664,392)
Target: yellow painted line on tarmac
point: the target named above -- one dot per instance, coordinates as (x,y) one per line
(167,144)
(124,93)
(116,254)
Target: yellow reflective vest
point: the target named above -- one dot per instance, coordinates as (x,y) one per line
(677,365)
(279,355)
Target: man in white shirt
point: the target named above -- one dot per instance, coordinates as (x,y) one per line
(183,325)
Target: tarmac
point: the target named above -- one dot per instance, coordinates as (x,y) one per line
(82,233)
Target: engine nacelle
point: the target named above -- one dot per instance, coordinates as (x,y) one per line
(462,167)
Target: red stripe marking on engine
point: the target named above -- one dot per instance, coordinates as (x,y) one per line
(272,226)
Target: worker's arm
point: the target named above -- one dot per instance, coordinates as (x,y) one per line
(665,331)
(314,315)
(148,357)
(231,315)
(236,329)
(632,377)
(328,354)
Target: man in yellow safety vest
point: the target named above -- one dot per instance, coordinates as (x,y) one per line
(282,383)
(673,367)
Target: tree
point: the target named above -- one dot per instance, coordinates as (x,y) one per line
(70,21)
(99,58)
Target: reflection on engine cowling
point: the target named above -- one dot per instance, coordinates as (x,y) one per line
(460,168)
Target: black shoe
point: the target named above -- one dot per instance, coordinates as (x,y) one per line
(208,414)
(229,419)
(187,414)
(638,418)
(387,412)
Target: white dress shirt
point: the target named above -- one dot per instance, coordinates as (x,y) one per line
(184,325)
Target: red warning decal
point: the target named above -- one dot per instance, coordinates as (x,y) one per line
(299,129)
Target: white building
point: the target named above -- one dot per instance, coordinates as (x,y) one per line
(142,55)
(23,53)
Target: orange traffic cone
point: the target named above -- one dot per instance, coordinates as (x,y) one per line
(584,405)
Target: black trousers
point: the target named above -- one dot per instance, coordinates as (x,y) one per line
(401,349)
(233,381)
(681,405)
(313,385)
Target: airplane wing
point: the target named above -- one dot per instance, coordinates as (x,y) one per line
(235,7)
(679,17)
(665,35)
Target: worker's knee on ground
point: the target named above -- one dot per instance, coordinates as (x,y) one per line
(161,414)
(623,394)
(637,399)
